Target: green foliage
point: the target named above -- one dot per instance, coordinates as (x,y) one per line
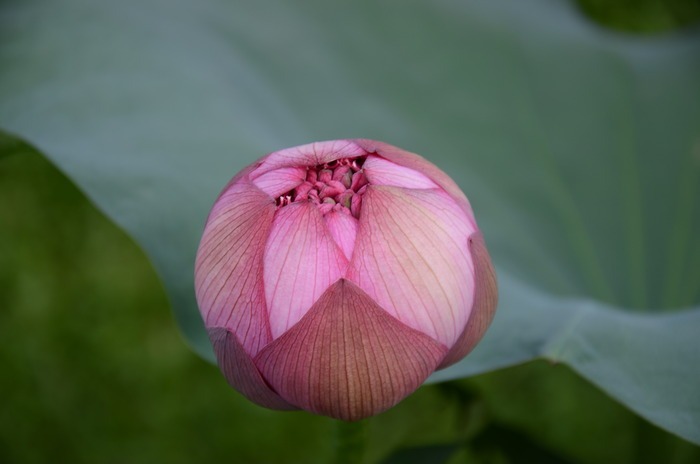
(93,365)
(578,148)
(648,16)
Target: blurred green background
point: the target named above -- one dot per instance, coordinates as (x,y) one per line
(94,368)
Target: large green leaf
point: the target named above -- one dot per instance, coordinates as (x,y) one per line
(579,149)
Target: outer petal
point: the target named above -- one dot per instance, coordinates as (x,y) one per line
(301,262)
(280,181)
(229,271)
(420,164)
(311,154)
(411,257)
(485,302)
(380,171)
(347,358)
(240,371)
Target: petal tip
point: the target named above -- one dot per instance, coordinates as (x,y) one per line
(240,371)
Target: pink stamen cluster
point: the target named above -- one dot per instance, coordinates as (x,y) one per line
(334,186)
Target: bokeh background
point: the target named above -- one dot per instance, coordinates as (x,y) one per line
(93,368)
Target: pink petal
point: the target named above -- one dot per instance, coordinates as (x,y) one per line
(411,257)
(311,154)
(343,228)
(280,181)
(347,358)
(301,262)
(240,371)
(485,302)
(420,164)
(382,172)
(229,271)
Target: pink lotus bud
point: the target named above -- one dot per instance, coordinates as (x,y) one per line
(335,277)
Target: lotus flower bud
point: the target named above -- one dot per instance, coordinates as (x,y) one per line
(335,277)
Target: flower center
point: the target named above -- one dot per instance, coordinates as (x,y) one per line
(337,185)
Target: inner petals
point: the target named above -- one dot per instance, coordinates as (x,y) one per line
(412,259)
(279,181)
(301,261)
(343,228)
(311,154)
(383,172)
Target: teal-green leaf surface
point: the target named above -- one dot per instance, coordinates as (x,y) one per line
(579,149)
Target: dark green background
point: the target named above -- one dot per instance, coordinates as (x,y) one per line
(94,369)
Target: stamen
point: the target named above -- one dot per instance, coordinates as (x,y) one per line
(337,185)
